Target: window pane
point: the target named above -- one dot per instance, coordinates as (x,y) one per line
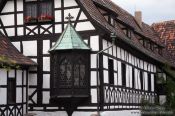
(65,74)
(76,75)
(45,11)
(82,76)
(31,12)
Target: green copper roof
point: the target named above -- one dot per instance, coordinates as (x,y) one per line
(69,39)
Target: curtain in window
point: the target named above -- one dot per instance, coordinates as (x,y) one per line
(45,11)
(31,12)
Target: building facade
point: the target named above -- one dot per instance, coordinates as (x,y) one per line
(13,79)
(119,80)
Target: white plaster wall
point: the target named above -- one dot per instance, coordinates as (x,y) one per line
(46,46)
(122,54)
(46,81)
(58,16)
(115,79)
(20,31)
(10,31)
(127,76)
(19,95)
(58,28)
(136,78)
(141,64)
(30,48)
(110,49)
(105,62)
(93,78)
(82,16)
(20,19)
(17,45)
(3,77)
(152,82)
(68,3)
(93,95)
(81,26)
(105,45)
(146,80)
(115,65)
(32,79)
(34,97)
(3,94)
(9,7)
(46,63)
(25,78)
(130,76)
(114,51)
(19,5)
(5,19)
(46,97)
(12,73)
(19,77)
(106,76)
(24,92)
(73,12)
(119,73)
(93,61)
(57,3)
(94,43)
(118,52)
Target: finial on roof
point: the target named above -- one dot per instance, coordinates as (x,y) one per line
(69,17)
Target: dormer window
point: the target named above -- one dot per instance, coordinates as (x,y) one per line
(127,32)
(38,11)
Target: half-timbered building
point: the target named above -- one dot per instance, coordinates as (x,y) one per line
(83,68)
(13,79)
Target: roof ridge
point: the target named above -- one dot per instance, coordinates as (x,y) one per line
(163,22)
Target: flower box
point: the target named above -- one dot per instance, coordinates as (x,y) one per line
(30,19)
(44,18)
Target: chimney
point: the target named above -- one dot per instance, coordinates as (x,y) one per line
(138,18)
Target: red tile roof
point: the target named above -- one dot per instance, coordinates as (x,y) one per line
(8,51)
(166,32)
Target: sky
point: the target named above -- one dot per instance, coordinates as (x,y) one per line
(152,10)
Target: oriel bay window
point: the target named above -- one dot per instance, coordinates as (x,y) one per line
(72,74)
(38,11)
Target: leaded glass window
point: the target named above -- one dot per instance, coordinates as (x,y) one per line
(72,74)
(65,80)
(83,82)
(79,74)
